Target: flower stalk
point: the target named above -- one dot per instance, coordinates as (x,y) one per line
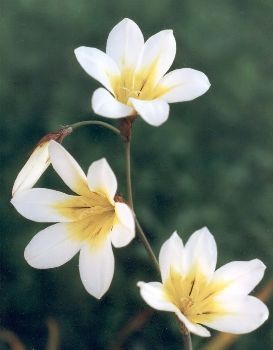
(95,122)
(139,230)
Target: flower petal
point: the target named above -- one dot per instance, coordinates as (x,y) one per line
(124,231)
(68,169)
(243,315)
(201,253)
(104,104)
(153,295)
(98,65)
(157,55)
(33,169)
(101,178)
(51,247)
(184,85)
(192,327)
(97,268)
(39,204)
(154,112)
(239,276)
(171,254)
(124,43)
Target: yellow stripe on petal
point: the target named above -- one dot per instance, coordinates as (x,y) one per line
(91,218)
(194,295)
(140,84)
(94,229)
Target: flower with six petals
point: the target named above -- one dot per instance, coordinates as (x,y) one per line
(89,222)
(134,74)
(197,294)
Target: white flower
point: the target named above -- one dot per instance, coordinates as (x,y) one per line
(197,294)
(133,72)
(89,222)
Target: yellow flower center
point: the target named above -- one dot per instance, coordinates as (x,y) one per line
(194,295)
(137,84)
(90,218)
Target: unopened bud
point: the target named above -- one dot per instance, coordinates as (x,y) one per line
(38,161)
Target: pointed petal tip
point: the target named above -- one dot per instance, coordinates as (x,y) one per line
(167,32)
(102,178)
(175,237)
(127,20)
(206,82)
(205,231)
(175,234)
(259,264)
(79,51)
(28,256)
(96,294)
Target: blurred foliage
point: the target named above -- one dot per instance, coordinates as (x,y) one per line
(210,164)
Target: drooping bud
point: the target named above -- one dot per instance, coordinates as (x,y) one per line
(38,161)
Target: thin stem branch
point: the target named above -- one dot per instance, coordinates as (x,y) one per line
(128,173)
(95,122)
(140,231)
(146,244)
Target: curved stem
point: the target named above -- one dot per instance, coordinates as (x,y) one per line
(95,122)
(140,231)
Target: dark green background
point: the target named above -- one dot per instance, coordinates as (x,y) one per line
(210,164)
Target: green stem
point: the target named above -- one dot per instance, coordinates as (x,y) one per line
(146,244)
(128,173)
(95,122)
(140,231)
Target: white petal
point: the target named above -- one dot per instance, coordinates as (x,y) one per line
(101,178)
(192,327)
(243,315)
(51,247)
(98,65)
(154,112)
(171,254)
(201,252)
(38,204)
(124,231)
(97,268)
(104,104)
(240,276)
(158,54)
(33,169)
(124,43)
(153,295)
(68,169)
(184,85)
